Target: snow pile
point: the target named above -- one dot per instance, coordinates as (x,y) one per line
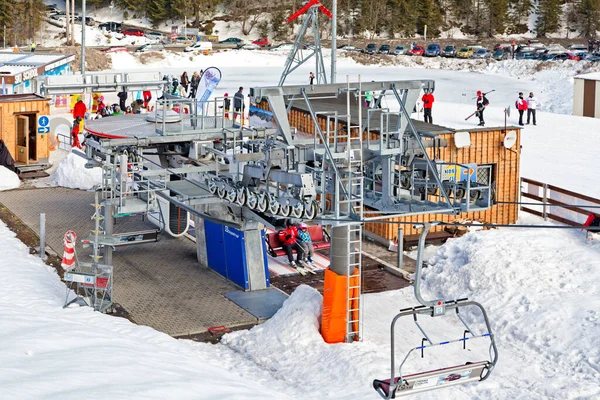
(541,289)
(42,344)
(554,77)
(71,173)
(8,179)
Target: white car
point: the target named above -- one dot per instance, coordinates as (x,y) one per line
(283,47)
(250,46)
(199,46)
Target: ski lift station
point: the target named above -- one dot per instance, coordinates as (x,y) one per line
(586,95)
(184,222)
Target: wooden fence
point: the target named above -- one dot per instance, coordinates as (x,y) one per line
(556,203)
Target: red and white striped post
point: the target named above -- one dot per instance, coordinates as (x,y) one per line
(68,260)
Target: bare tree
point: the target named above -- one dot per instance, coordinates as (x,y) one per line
(247,13)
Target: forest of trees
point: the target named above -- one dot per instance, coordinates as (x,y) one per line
(405,18)
(356,18)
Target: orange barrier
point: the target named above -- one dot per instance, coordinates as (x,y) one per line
(333,321)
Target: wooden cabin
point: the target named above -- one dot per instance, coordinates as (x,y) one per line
(486,148)
(20,128)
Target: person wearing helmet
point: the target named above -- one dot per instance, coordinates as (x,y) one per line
(226,105)
(288,238)
(305,241)
(79,109)
(482,102)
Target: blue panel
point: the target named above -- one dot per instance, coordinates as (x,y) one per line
(215,248)
(235,253)
(265,259)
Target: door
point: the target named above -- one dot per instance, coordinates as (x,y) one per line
(235,257)
(215,248)
(22,139)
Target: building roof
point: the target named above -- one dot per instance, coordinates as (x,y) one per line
(15,63)
(592,76)
(11,98)
(339,104)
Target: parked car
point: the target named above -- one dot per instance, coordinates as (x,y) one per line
(199,46)
(500,55)
(262,42)
(384,49)
(475,47)
(282,47)
(350,49)
(539,54)
(89,21)
(583,55)
(150,47)
(62,16)
(400,50)
(231,40)
(116,49)
(433,50)
(182,40)
(548,57)
(250,46)
(593,58)
(110,26)
(536,44)
(51,8)
(578,47)
(464,52)
(482,53)
(502,46)
(417,51)
(524,55)
(154,35)
(572,56)
(448,51)
(371,48)
(132,32)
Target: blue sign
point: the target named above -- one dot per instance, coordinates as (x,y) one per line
(43,120)
(43,124)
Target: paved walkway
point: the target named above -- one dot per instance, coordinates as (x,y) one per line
(160,284)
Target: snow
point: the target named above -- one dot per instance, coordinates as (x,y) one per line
(71,173)
(43,346)
(8,179)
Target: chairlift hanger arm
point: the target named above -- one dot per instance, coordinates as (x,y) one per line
(306,7)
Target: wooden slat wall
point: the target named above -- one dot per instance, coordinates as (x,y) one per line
(8,129)
(486,148)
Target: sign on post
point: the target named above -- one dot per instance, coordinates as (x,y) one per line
(43,124)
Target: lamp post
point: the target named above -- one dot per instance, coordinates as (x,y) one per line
(333,39)
(83,37)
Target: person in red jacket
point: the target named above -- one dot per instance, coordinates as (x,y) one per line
(288,237)
(427,100)
(521,105)
(147,97)
(75,133)
(79,109)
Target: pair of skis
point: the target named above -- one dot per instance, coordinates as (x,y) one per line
(304,270)
(481,109)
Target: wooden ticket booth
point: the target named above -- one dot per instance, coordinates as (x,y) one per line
(20,128)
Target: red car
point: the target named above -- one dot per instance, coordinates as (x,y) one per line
(417,51)
(262,42)
(116,49)
(132,32)
(572,56)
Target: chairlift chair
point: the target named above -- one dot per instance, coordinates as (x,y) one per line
(404,385)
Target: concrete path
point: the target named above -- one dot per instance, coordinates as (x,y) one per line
(159,284)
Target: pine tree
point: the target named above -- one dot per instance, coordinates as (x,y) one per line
(589,17)
(549,14)
(497,16)
(157,11)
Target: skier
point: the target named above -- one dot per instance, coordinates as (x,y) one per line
(427,100)
(311,78)
(482,102)
(305,241)
(287,237)
(174,86)
(100,104)
(532,103)
(122,99)
(238,104)
(521,106)
(75,132)
(147,97)
(32,47)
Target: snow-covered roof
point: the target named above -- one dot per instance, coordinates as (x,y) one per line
(593,76)
(13,63)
